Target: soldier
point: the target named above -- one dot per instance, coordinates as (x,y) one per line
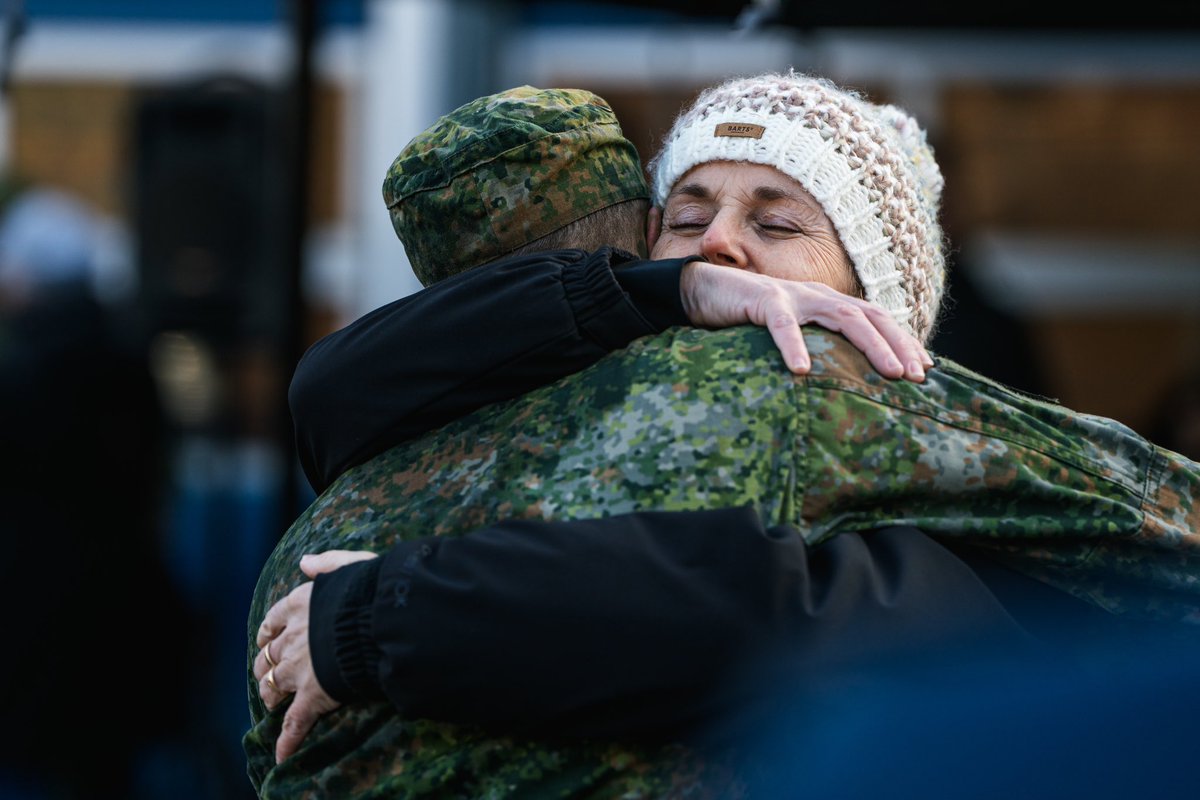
(709,421)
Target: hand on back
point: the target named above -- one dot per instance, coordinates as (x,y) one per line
(720,297)
(284,665)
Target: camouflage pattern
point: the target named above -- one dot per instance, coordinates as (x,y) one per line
(503,171)
(693,419)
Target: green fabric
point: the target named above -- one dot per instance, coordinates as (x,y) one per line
(693,419)
(503,171)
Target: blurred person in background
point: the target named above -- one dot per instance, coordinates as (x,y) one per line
(80,484)
(412,561)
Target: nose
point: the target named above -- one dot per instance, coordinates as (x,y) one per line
(722,244)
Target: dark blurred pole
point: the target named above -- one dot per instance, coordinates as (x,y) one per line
(297,122)
(14,27)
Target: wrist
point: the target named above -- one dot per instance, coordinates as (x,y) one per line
(690,278)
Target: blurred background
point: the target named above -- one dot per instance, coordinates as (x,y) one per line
(190,196)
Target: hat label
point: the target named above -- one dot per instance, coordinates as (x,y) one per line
(742,130)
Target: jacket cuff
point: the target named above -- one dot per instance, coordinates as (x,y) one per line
(603,311)
(345,655)
(653,287)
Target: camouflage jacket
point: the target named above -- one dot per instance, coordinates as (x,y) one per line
(694,419)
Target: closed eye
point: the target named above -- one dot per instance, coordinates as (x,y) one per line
(688,225)
(781,230)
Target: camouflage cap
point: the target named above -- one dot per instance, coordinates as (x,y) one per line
(504,170)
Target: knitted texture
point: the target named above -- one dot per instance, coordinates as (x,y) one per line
(869,166)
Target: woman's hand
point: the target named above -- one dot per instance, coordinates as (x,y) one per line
(284,666)
(720,297)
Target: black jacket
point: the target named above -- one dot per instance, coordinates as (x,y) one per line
(488,334)
(648,623)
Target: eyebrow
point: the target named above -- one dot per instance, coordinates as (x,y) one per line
(769,193)
(763,193)
(691,190)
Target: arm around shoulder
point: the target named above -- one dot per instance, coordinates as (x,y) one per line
(489,334)
(648,623)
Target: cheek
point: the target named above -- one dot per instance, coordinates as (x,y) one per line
(670,246)
(820,261)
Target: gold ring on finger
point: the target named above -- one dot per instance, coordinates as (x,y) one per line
(271,679)
(267,652)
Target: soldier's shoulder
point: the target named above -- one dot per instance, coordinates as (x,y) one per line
(834,356)
(695,354)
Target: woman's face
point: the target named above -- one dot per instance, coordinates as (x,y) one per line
(753,217)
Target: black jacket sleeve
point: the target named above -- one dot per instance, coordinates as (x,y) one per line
(642,624)
(489,334)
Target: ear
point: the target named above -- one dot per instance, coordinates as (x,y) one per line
(653,226)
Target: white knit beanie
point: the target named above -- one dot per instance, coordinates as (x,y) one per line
(869,167)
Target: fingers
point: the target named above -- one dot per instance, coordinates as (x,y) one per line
(296,676)
(314,564)
(853,323)
(274,685)
(297,722)
(785,330)
(295,605)
(261,666)
(907,349)
(861,323)
(719,297)
(275,621)
(892,351)
(283,635)
(279,647)
(284,622)
(311,702)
